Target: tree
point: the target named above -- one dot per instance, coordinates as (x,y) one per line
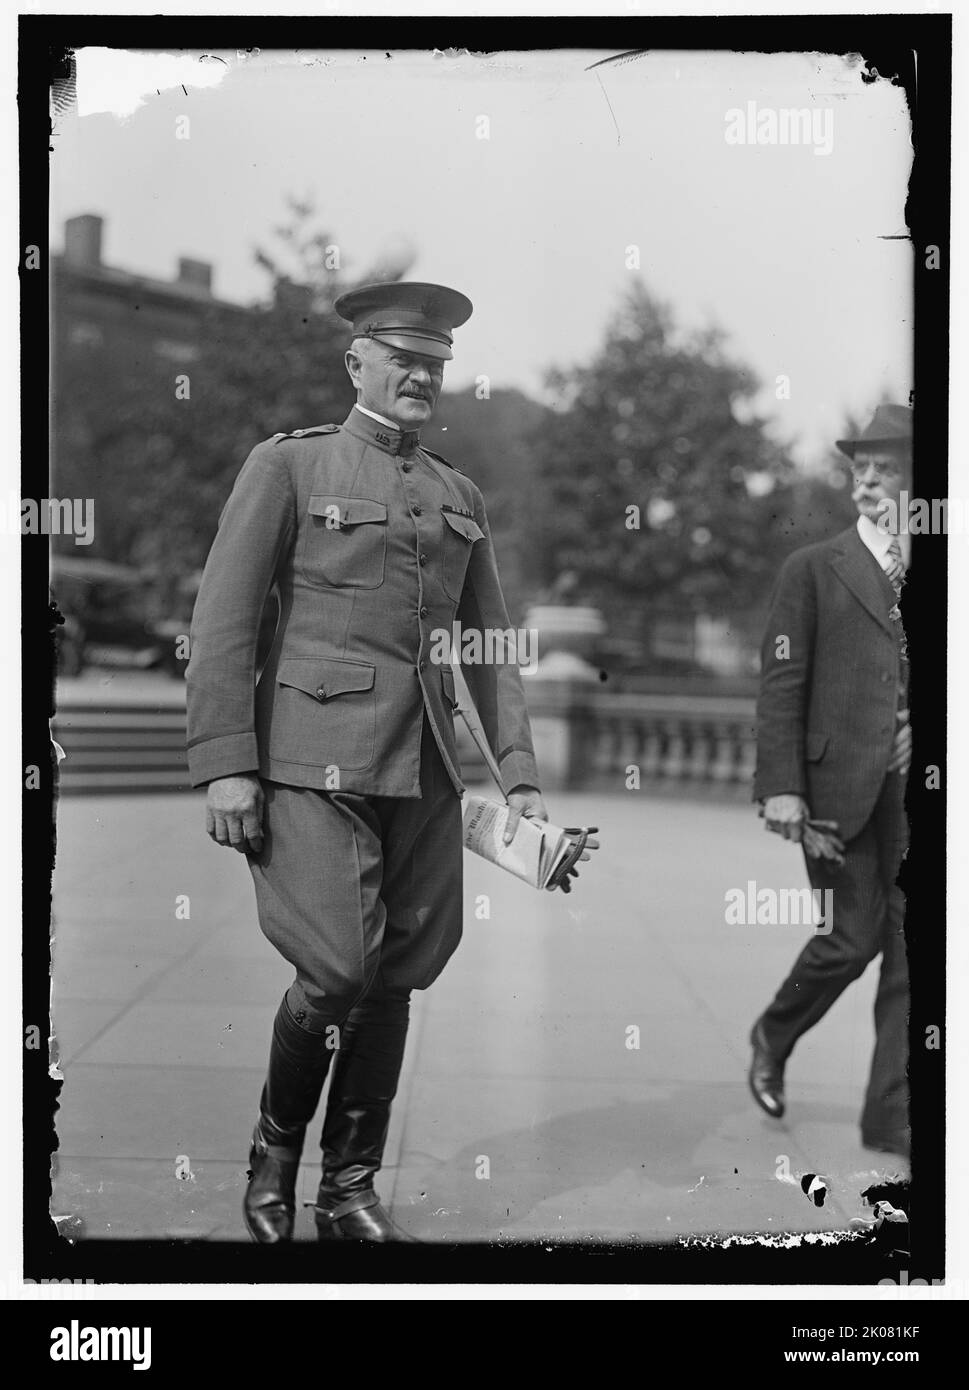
(660,482)
(160,461)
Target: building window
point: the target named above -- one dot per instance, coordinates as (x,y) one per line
(176,352)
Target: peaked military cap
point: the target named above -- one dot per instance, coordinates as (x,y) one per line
(407,314)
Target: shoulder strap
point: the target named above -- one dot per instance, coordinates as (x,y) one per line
(302,434)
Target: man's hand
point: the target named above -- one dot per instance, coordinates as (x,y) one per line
(233,812)
(527,801)
(902,747)
(785,815)
(523,801)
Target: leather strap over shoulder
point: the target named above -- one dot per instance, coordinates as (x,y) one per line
(440,458)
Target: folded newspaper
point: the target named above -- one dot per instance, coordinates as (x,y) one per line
(537,851)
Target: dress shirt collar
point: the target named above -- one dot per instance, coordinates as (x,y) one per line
(374,416)
(878,541)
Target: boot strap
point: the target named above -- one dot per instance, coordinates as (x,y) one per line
(359,1201)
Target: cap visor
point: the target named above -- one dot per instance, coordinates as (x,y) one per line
(412,342)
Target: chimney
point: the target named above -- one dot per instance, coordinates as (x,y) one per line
(82,240)
(294,299)
(198,274)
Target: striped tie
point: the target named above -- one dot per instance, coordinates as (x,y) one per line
(894,567)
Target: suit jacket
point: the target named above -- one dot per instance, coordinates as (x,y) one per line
(373,545)
(828,699)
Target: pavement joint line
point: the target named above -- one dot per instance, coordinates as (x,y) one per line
(167,1066)
(151,839)
(409,1081)
(139,996)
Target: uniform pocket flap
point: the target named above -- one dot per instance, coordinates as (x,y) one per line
(322,678)
(814,747)
(347,511)
(465,526)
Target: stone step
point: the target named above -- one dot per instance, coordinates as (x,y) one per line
(132,748)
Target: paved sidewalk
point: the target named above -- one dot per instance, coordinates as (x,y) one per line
(522,1111)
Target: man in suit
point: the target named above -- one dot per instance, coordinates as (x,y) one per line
(337,774)
(834,745)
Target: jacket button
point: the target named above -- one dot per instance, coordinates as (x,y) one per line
(423,610)
(422,558)
(407,467)
(421,665)
(417,509)
(321,693)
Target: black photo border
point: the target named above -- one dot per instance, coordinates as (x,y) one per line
(890,45)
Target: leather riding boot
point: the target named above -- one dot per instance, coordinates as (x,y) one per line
(298,1063)
(363,1087)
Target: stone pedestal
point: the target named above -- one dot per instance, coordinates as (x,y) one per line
(563,727)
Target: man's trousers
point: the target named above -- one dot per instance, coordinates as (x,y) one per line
(868,912)
(352,887)
(363,896)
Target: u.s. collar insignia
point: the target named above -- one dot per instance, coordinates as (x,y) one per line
(382,438)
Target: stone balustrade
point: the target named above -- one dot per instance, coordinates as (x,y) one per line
(586,736)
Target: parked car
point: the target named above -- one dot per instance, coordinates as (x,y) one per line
(105,608)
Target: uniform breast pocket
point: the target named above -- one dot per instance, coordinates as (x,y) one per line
(344,542)
(460,534)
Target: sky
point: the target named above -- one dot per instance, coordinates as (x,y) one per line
(790,249)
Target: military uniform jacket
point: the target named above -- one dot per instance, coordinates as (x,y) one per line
(374,543)
(828,695)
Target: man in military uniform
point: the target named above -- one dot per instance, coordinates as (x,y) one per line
(337,773)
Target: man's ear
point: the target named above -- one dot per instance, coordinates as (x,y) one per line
(352,362)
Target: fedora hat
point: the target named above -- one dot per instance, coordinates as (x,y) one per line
(890,425)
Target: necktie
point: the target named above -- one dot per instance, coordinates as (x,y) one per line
(895,569)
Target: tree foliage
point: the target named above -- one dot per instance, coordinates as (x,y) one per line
(657,430)
(159,462)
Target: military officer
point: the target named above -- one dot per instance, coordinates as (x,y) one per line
(336,773)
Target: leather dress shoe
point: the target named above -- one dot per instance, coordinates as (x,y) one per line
(269,1206)
(896,1141)
(360,1217)
(766,1075)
